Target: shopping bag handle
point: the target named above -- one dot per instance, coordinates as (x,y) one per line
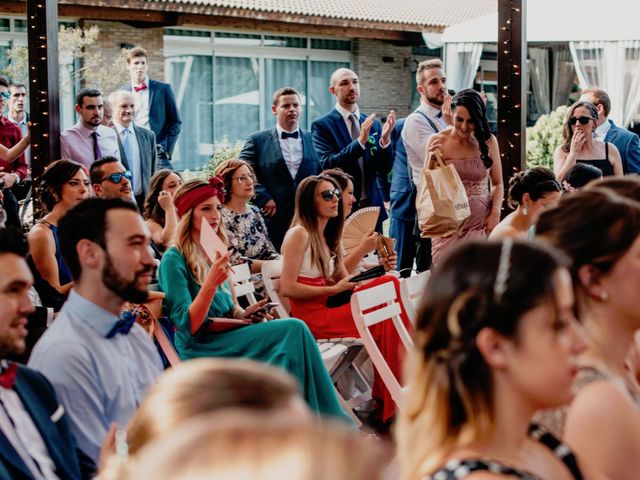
(439,162)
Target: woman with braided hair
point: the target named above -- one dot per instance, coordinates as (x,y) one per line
(496,340)
(470,147)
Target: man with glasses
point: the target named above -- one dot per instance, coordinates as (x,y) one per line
(110,179)
(282,157)
(11,173)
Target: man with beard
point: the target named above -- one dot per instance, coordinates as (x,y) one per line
(88,140)
(100,364)
(348,139)
(431,116)
(281,158)
(110,179)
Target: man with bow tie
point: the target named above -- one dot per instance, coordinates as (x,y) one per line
(100,365)
(281,158)
(155,105)
(35,436)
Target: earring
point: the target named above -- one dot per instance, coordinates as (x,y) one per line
(525,211)
(604,296)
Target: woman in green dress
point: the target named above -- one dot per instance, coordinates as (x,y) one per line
(201,303)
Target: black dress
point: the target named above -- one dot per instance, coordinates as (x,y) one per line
(602,163)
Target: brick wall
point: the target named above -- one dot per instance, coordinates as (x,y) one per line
(384,85)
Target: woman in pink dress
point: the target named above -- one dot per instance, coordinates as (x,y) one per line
(471,148)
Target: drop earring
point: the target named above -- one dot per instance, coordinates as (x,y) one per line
(525,211)
(604,296)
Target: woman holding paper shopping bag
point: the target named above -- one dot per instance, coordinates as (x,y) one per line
(471,148)
(201,302)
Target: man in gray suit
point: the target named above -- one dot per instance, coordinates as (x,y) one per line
(137,144)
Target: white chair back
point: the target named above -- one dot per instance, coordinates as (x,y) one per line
(271,271)
(242,283)
(411,291)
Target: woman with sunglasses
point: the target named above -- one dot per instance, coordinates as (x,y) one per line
(63,185)
(473,151)
(313,270)
(581,146)
(201,303)
(245,228)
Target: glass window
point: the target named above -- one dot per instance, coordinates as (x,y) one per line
(237,98)
(5,25)
(279,41)
(230,38)
(190,78)
(326,44)
(19,25)
(5,46)
(284,73)
(178,32)
(320,100)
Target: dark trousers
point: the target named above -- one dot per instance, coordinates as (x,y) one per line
(402,232)
(12,208)
(423,249)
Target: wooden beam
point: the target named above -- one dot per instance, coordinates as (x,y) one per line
(512,58)
(44,94)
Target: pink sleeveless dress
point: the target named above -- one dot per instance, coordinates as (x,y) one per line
(475,178)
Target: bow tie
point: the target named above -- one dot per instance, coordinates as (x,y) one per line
(286,135)
(141,87)
(8,376)
(439,115)
(123,325)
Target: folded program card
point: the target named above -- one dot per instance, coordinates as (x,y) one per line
(210,241)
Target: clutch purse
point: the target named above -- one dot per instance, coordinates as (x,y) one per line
(385,246)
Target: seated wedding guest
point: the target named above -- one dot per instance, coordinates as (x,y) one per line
(110,179)
(244,226)
(100,365)
(201,303)
(159,210)
(530,193)
(34,429)
(251,445)
(600,232)
(63,185)
(202,386)
(313,270)
(627,186)
(579,175)
(496,340)
(580,145)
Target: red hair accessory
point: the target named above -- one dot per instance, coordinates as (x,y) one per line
(215,188)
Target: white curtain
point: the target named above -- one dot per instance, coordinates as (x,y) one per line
(562,78)
(461,64)
(615,68)
(539,72)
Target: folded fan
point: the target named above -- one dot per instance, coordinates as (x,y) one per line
(359,224)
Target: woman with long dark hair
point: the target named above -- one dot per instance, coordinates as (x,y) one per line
(471,148)
(159,211)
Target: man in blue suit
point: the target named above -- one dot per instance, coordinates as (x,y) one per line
(35,436)
(281,158)
(627,143)
(348,139)
(156,107)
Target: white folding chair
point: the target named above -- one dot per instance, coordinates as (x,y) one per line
(242,283)
(383,296)
(411,290)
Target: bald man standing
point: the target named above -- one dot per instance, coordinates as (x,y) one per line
(348,139)
(137,144)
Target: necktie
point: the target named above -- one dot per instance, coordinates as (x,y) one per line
(123,325)
(140,88)
(96,146)
(355,133)
(286,135)
(128,153)
(8,376)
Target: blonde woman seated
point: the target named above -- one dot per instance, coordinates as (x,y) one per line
(202,305)
(496,340)
(530,192)
(159,211)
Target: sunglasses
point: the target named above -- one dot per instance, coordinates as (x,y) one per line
(327,195)
(582,120)
(117,177)
(5,95)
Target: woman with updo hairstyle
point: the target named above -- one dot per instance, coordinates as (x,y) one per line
(63,185)
(581,146)
(470,147)
(530,193)
(159,211)
(600,232)
(496,340)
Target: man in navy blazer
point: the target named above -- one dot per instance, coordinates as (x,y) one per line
(281,158)
(137,144)
(348,139)
(156,107)
(627,143)
(35,436)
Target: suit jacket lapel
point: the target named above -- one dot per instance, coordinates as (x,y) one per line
(9,456)
(277,150)
(341,127)
(123,158)
(143,148)
(305,164)
(152,91)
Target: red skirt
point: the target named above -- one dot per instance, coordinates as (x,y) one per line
(337,322)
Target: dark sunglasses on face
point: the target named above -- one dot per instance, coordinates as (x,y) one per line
(582,120)
(117,177)
(5,95)
(327,195)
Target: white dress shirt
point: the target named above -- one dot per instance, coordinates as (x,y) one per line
(24,128)
(291,150)
(602,130)
(141,99)
(135,163)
